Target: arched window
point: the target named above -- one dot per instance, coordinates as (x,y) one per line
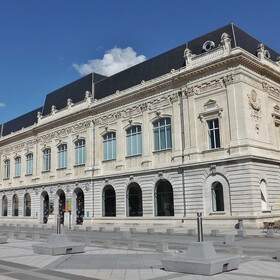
(109,202)
(7,168)
(164,198)
(47,159)
(162,134)
(217,197)
(80,151)
(134,200)
(4,206)
(29,164)
(15,205)
(62,156)
(134,141)
(27,205)
(109,146)
(17,166)
(264,200)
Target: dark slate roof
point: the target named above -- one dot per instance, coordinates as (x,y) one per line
(75,91)
(103,86)
(238,38)
(20,122)
(146,70)
(174,59)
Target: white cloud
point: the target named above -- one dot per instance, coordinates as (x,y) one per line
(114,61)
(2,105)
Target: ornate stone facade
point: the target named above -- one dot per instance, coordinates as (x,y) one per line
(200,138)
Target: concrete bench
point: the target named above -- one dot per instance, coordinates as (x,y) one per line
(162,247)
(169,230)
(101,229)
(150,230)
(229,239)
(58,244)
(3,239)
(270,233)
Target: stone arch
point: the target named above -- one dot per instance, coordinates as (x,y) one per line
(27,205)
(264,196)
(4,206)
(109,201)
(164,198)
(134,200)
(78,206)
(60,202)
(15,205)
(45,207)
(216,195)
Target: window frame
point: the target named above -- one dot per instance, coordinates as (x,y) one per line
(29,164)
(134,141)
(109,146)
(7,168)
(62,156)
(162,133)
(17,170)
(80,152)
(213,134)
(47,159)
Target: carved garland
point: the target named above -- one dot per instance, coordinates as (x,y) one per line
(46,137)
(137,110)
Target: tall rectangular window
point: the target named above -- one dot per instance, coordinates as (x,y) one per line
(214,134)
(134,141)
(109,146)
(29,164)
(80,152)
(17,166)
(62,156)
(47,160)
(162,134)
(7,166)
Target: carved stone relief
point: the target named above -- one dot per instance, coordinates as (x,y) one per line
(254,105)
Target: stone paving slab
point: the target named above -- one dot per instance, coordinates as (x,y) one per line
(17,261)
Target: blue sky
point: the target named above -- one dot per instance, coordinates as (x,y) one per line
(45,45)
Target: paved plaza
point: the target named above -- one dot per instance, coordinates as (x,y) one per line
(17,260)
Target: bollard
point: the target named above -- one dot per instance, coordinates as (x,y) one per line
(240,224)
(199,228)
(58,225)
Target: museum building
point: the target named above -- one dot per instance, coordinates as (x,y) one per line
(193,130)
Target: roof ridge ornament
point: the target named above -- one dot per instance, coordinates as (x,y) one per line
(226,42)
(262,52)
(188,55)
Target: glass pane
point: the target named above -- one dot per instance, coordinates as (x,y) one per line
(156,139)
(168,132)
(162,138)
(128,145)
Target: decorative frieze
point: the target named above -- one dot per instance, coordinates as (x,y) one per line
(271,90)
(78,127)
(132,111)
